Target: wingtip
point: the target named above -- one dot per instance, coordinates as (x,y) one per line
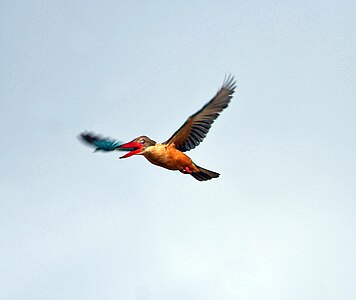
(229,82)
(86,136)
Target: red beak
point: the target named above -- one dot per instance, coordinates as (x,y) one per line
(135,146)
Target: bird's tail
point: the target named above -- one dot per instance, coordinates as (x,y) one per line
(204,174)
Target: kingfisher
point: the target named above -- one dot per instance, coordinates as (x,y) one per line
(170,154)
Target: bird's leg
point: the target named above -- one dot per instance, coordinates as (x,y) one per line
(186,170)
(183,171)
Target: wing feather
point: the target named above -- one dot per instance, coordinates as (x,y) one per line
(100,143)
(197,126)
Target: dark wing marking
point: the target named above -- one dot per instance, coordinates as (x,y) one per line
(100,143)
(195,129)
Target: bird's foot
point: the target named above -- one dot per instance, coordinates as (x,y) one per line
(186,170)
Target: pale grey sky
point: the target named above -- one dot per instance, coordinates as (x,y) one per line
(279,223)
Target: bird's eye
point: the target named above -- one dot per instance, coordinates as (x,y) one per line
(142,141)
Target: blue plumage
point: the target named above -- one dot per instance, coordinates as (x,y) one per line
(102,144)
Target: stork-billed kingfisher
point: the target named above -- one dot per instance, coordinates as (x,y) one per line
(170,154)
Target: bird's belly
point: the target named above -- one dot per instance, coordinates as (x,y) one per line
(167,157)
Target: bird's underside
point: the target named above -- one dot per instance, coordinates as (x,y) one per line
(169,154)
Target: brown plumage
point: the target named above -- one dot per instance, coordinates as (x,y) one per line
(195,129)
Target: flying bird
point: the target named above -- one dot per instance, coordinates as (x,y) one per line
(170,154)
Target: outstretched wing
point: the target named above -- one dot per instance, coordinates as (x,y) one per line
(100,143)
(195,129)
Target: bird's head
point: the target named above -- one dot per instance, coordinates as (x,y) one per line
(138,145)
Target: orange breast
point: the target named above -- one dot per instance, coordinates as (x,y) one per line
(168,157)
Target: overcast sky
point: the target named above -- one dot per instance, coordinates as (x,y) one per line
(279,223)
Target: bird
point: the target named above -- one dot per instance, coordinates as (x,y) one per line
(170,154)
